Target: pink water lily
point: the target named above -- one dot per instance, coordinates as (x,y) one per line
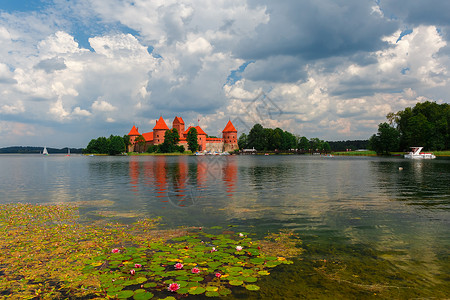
(195,270)
(132,272)
(115,250)
(241,234)
(178,266)
(218,275)
(238,248)
(137,265)
(173,287)
(213,249)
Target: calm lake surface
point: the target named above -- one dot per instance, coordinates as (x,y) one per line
(368,228)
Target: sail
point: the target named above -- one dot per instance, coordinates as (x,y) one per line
(45,152)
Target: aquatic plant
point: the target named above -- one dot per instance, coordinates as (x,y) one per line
(212,273)
(48,253)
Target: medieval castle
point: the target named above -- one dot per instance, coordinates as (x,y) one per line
(228,142)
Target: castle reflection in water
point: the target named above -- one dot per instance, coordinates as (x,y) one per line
(181,180)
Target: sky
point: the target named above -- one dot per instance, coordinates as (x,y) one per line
(72,71)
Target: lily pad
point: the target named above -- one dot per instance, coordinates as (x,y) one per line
(125,294)
(141,280)
(236,282)
(197,290)
(252,287)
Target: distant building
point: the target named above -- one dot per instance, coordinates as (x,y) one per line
(228,142)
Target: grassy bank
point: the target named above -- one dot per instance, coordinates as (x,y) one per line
(356,153)
(373,153)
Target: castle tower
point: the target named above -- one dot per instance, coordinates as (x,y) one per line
(229,134)
(133,134)
(178,124)
(201,138)
(159,131)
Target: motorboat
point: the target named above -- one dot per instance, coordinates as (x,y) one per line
(416,154)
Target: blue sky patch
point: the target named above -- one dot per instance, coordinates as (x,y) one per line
(404,32)
(236,75)
(22,5)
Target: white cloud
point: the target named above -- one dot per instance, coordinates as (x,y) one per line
(103,106)
(77,111)
(44,70)
(57,44)
(12,109)
(58,111)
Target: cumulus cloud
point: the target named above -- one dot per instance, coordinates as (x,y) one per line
(12,109)
(332,69)
(103,106)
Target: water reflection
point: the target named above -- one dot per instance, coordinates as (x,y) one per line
(178,182)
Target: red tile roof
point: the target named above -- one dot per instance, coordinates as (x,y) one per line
(199,130)
(134,131)
(148,136)
(187,130)
(229,127)
(160,124)
(178,120)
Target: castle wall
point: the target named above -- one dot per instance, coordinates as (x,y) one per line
(214,146)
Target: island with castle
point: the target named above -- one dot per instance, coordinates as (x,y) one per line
(227,143)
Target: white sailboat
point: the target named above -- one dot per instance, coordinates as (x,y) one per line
(45,152)
(68,152)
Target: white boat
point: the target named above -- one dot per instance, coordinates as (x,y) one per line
(416,154)
(68,152)
(45,152)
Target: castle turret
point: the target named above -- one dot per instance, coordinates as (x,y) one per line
(178,124)
(133,134)
(229,134)
(159,131)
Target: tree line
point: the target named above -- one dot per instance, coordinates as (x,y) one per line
(113,145)
(38,150)
(268,139)
(427,125)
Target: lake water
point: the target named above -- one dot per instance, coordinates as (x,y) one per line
(369,228)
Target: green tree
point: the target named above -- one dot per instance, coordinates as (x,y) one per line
(140,142)
(171,139)
(316,144)
(276,140)
(126,141)
(116,145)
(303,144)
(326,147)
(256,137)
(386,140)
(289,141)
(242,141)
(192,139)
(427,124)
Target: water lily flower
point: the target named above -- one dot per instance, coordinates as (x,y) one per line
(213,249)
(132,272)
(238,248)
(195,270)
(115,250)
(218,275)
(241,234)
(173,287)
(137,265)
(178,266)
